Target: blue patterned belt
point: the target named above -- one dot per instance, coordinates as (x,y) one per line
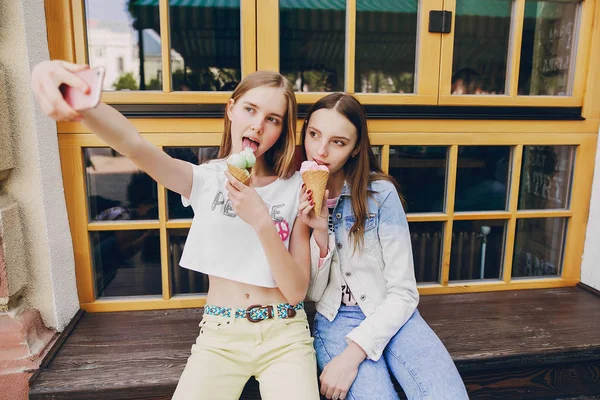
(256,313)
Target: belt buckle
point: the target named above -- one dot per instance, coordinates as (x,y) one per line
(258,307)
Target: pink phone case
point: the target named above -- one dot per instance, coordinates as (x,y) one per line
(79,100)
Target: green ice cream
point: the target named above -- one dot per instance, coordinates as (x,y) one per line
(244,159)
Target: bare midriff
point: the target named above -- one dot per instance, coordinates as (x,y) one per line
(226,293)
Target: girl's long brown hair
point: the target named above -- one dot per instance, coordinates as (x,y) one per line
(360,170)
(280,157)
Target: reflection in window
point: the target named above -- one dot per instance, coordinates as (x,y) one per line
(548,48)
(312,44)
(386,42)
(126,263)
(482,178)
(426,240)
(205,45)
(196,156)
(116,188)
(183,280)
(539,247)
(377,153)
(481,37)
(477,250)
(546,175)
(120,40)
(421,173)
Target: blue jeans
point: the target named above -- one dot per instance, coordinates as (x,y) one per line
(415,356)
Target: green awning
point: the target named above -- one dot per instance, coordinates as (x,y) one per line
(488,8)
(407,6)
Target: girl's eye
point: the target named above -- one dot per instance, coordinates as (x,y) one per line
(249,109)
(312,134)
(274,120)
(338,143)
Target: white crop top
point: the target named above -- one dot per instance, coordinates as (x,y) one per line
(221,244)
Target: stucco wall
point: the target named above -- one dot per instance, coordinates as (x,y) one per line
(590,266)
(36,183)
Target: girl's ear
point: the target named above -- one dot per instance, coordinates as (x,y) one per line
(229,112)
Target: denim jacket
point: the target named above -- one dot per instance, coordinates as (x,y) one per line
(380,273)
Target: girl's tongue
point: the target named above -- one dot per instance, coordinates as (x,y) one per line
(249,144)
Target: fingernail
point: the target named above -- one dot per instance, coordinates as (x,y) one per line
(303,186)
(309,192)
(312,203)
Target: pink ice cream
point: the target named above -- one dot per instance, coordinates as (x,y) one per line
(312,166)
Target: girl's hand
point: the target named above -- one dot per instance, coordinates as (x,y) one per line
(339,374)
(46,78)
(306,205)
(246,203)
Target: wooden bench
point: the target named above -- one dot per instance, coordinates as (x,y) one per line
(530,344)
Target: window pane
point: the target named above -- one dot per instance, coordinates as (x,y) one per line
(386,43)
(421,173)
(116,188)
(477,250)
(546,175)
(481,37)
(312,44)
(126,263)
(482,178)
(377,152)
(205,45)
(183,280)
(195,155)
(548,48)
(539,247)
(426,239)
(124,38)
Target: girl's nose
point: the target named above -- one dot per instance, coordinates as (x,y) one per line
(257,126)
(322,151)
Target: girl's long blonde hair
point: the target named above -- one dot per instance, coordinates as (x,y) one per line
(280,157)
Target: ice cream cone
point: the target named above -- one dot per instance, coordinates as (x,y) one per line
(241,175)
(316,180)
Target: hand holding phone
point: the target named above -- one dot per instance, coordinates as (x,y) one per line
(76,98)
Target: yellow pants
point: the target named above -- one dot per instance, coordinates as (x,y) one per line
(278,352)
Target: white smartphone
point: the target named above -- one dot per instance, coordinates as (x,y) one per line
(81,101)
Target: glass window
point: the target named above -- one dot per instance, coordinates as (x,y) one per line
(426,239)
(116,188)
(477,250)
(377,153)
(205,45)
(124,38)
(482,178)
(386,44)
(183,280)
(548,48)
(312,44)
(197,156)
(421,173)
(539,247)
(546,175)
(126,263)
(481,38)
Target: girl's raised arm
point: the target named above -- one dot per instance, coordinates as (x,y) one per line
(109,125)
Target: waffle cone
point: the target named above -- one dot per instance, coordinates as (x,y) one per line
(317,182)
(241,175)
